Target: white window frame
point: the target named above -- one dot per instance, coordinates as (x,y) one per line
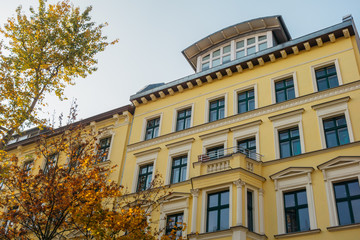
(340,169)
(177,150)
(175,114)
(204,203)
(146,119)
(255,192)
(286,121)
(326,64)
(244,89)
(144,158)
(214,139)
(213,98)
(268,40)
(293,179)
(246,131)
(333,109)
(280,78)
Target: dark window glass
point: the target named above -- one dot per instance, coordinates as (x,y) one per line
(336,132)
(104,147)
(50,163)
(248,147)
(218,211)
(289,142)
(215,152)
(250,211)
(145,175)
(28,166)
(347,197)
(178,171)
(216,110)
(183,119)
(246,101)
(152,128)
(284,90)
(326,78)
(174,224)
(296,211)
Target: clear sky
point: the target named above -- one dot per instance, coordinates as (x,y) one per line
(152,34)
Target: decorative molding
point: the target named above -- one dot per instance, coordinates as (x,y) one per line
(339,162)
(246,125)
(331,103)
(345,88)
(195,192)
(146,152)
(213,134)
(182,142)
(291,172)
(287,114)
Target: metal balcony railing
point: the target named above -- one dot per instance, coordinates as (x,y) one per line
(220,153)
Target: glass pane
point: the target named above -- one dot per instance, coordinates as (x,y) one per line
(148,181)
(207,57)
(289,82)
(250,41)
(216,53)
(343,136)
(184,160)
(304,219)
(226,49)
(251,104)
(156,132)
(176,173)
(285,149)
(279,85)
(294,133)
(216,62)
(181,114)
(212,221)
(301,198)
(183,174)
(331,140)
(333,81)
(296,148)
(355,204)
(240,44)
(180,125)
(177,162)
(329,124)
(290,93)
(289,200)
(224,219)
(284,135)
(187,122)
(262,46)
(213,200)
(242,96)
(354,189)
(226,59)
(242,107)
(213,115)
(240,54)
(150,169)
(250,93)
(261,38)
(320,73)
(224,198)
(340,191)
(331,70)
(322,84)
(340,121)
(205,66)
(157,121)
(251,50)
(143,170)
(291,221)
(221,102)
(221,113)
(343,213)
(213,104)
(280,96)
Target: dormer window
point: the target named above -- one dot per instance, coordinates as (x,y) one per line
(235,49)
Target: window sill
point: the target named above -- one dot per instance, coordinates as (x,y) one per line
(295,234)
(343,227)
(103,164)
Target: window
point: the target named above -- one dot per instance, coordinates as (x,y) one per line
(145,175)
(284,90)
(250,211)
(248,147)
(183,120)
(246,101)
(104,148)
(218,211)
(217,110)
(215,152)
(336,132)
(174,223)
(326,78)
(347,197)
(250,45)
(296,211)
(216,58)
(28,166)
(179,167)
(152,128)
(50,163)
(289,142)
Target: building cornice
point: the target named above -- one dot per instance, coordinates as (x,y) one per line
(345,88)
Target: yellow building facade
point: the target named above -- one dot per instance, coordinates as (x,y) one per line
(261,142)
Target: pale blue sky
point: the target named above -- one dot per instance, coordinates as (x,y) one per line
(152,34)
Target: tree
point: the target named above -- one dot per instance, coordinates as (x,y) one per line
(72,196)
(42,53)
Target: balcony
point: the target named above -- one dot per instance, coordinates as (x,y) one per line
(227,152)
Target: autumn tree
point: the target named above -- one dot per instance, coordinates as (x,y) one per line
(72,196)
(43,52)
